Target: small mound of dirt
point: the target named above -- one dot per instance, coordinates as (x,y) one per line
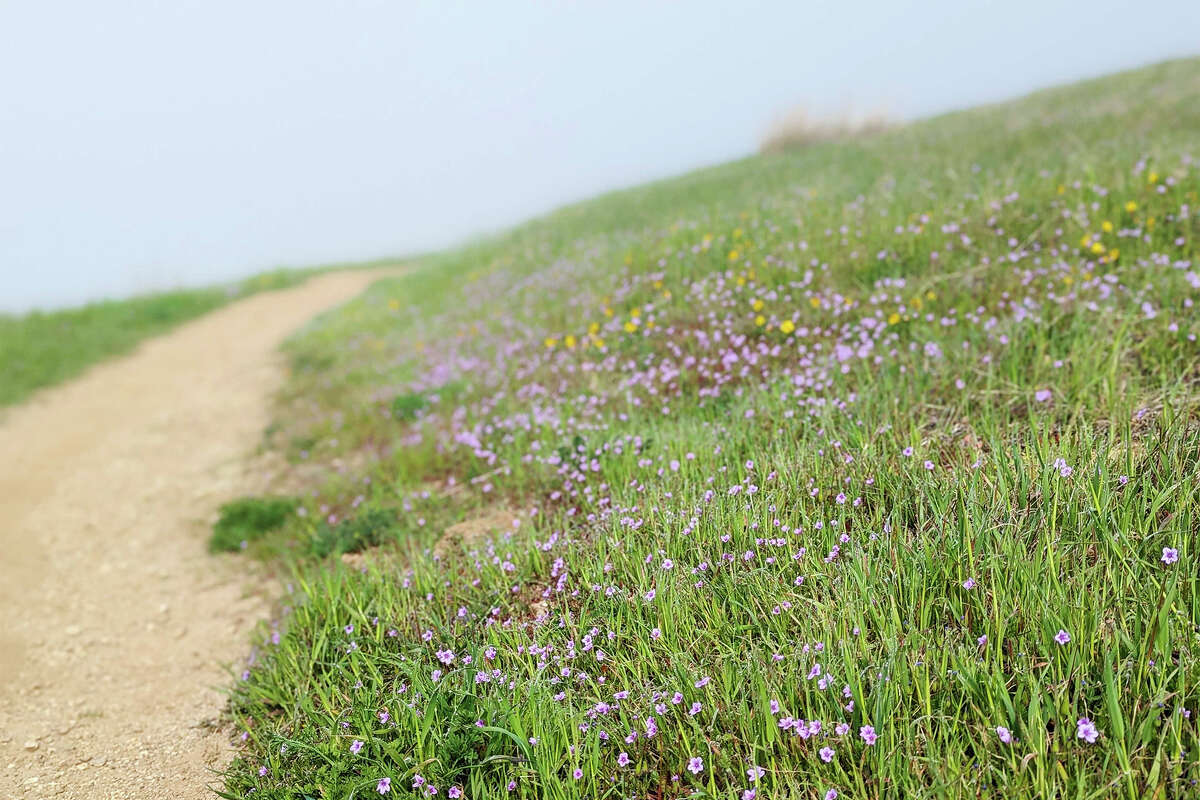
(469,532)
(360,559)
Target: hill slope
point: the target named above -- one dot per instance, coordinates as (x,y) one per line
(867,469)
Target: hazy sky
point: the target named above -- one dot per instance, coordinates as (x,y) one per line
(151,144)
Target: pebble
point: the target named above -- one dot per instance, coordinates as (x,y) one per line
(31,745)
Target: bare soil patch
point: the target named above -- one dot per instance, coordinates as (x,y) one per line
(115,621)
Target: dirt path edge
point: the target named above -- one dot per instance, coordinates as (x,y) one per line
(114,621)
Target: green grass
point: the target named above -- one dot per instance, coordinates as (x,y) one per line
(247,519)
(43,348)
(847,434)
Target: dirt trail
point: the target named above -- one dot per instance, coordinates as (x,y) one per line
(114,622)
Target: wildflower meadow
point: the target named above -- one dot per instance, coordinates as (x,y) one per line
(866,469)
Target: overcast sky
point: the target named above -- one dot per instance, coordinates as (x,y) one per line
(147,144)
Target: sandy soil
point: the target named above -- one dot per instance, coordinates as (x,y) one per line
(115,624)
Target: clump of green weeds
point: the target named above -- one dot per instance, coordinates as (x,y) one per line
(248,518)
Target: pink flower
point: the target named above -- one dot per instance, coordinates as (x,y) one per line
(1170,555)
(1085,729)
(696,765)
(826,754)
(384,786)
(1062,637)
(1005,734)
(867,732)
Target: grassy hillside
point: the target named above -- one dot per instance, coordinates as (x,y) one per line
(42,348)
(864,470)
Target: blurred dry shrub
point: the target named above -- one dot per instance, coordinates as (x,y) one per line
(800,128)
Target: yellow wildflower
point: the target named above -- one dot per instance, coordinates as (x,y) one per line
(787,326)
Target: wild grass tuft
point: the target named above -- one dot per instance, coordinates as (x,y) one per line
(248,519)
